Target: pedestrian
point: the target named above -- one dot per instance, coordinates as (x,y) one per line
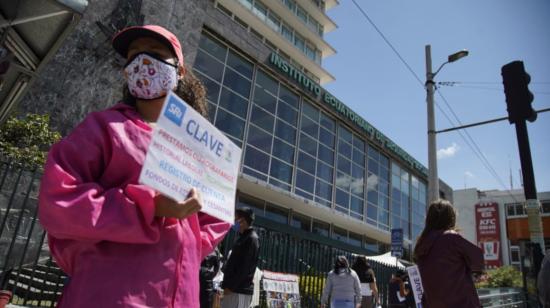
(543,281)
(369,290)
(238,275)
(409,297)
(342,286)
(121,243)
(447,261)
(210,267)
(397,290)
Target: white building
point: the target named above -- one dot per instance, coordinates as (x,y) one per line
(512,222)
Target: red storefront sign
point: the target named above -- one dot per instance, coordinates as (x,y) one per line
(488,233)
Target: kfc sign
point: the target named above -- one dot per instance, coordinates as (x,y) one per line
(488,233)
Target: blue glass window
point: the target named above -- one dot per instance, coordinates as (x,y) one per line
(305,181)
(256,160)
(262,118)
(213,48)
(259,138)
(283,151)
(287,113)
(234,103)
(306,162)
(236,82)
(265,99)
(281,171)
(240,65)
(230,124)
(209,66)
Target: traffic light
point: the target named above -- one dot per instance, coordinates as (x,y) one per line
(518,96)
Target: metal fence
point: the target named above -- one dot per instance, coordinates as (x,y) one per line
(26,268)
(310,259)
(502,297)
(28,271)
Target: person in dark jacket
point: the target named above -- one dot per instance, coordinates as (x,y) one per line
(241,265)
(544,281)
(409,298)
(447,261)
(209,269)
(397,290)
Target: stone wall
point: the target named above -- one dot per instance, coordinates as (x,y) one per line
(85,74)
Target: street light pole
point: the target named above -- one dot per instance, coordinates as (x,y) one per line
(433,179)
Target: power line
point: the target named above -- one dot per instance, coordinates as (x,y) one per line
(479,154)
(388,42)
(497,82)
(501,89)
(474,147)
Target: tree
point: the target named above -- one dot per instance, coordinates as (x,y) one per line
(26,141)
(502,277)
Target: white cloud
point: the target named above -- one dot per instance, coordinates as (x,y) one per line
(346,181)
(469,174)
(449,151)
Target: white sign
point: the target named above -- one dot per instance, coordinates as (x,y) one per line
(187,151)
(279,282)
(416,284)
(282,290)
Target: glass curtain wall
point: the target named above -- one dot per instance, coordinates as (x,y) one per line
(293,145)
(315,164)
(378,206)
(350,178)
(400,201)
(418,213)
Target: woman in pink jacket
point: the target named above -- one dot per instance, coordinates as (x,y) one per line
(121,243)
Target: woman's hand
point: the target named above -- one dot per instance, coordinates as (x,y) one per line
(166,207)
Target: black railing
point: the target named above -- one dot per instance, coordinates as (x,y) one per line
(287,250)
(26,268)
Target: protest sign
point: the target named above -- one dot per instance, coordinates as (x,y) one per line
(282,290)
(187,151)
(416,284)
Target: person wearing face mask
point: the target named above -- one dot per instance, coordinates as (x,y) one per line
(121,243)
(342,286)
(240,267)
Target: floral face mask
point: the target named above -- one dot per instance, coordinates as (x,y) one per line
(149,77)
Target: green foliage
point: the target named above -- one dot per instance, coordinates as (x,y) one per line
(502,277)
(26,141)
(312,285)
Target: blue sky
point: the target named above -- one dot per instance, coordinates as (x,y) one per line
(372,80)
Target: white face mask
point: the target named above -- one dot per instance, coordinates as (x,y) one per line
(149,77)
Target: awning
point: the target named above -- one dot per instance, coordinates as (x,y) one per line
(387,259)
(31,31)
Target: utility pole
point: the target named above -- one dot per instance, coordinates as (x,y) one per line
(433,179)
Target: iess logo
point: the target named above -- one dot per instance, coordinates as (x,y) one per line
(175,111)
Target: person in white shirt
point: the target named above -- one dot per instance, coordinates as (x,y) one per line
(342,286)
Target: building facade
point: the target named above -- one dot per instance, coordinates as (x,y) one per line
(512,225)
(309,161)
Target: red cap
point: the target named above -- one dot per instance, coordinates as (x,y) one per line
(122,40)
